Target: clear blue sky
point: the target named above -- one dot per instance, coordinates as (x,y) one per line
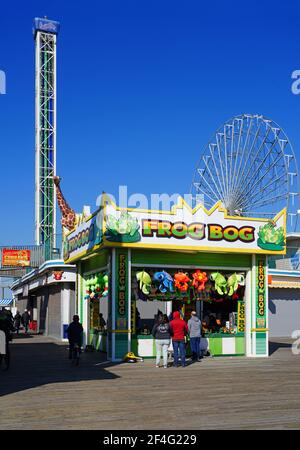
(142,85)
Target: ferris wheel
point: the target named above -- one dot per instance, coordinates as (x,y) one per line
(251,167)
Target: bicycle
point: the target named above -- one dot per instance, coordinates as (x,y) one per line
(76,354)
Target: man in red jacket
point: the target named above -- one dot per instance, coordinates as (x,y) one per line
(179,330)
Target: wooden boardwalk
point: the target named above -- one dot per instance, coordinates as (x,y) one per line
(43,391)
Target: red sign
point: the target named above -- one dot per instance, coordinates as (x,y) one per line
(58,275)
(15,258)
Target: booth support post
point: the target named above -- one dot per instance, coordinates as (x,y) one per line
(248,312)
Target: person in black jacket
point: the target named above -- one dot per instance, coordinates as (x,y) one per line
(6,326)
(162,334)
(25,319)
(74,332)
(17,321)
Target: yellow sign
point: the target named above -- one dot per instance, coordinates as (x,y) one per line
(133,317)
(241,322)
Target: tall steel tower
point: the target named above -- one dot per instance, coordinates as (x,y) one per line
(45,32)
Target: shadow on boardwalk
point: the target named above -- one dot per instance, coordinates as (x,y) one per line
(35,362)
(274,345)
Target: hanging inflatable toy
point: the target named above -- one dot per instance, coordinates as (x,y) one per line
(165,282)
(182,281)
(88,285)
(199,280)
(220,282)
(99,283)
(144,282)
(93,282)
(233,282)
(93,287)
(105,285)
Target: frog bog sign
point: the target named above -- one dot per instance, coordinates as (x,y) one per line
(182,228)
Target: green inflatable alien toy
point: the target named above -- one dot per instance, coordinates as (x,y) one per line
(233,282)
(145,282)
(220,282)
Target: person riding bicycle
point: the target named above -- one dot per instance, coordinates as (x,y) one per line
(74,332)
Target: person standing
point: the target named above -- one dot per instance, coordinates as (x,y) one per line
(157,316)
(25,320)
(179,330)
(161,333)
(102,323)
(17,321)
(194,327)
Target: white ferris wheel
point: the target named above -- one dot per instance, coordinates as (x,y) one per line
(250,166)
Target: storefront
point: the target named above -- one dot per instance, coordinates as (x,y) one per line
(48,293)
(133,263)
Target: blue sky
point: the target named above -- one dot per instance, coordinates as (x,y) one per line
(142,86)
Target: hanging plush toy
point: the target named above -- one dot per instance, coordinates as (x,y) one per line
(99,283)
(165,281)
(220,282)
(144,282)
(199,280)
(93,282)
(182,281)
(94,286)
(105,285)
(87,285)
(233,282)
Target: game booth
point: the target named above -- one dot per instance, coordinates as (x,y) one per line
(133,264)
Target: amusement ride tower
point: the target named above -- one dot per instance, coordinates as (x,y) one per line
(45,32)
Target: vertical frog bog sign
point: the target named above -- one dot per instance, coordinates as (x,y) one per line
(261,293)
(121,290)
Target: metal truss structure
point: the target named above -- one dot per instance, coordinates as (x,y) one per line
(45,32)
